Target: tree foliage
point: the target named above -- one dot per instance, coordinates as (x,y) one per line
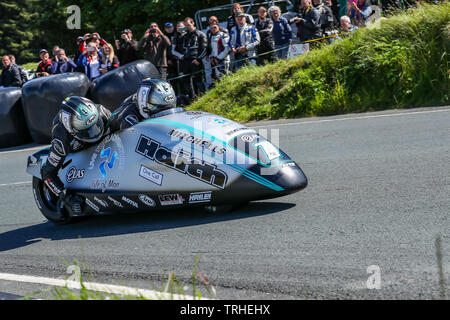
(30,25)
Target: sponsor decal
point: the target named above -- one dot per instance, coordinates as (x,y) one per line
(132,119)
(143,97)
(170,98)
(102,202)
(151,175)
(189,138)
(65,119)
(104,185)
(58,145)
(110,159)
(74,174)
(171,199)
(130,202)
(92,205)
(248,137)
(115,202)
(147,200)
(229,133)
(53,159)
(91,120)
(199,197)
(195,114)
(289,164)
(182,162)
(116,147)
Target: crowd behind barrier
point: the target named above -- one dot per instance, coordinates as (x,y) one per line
(192,60)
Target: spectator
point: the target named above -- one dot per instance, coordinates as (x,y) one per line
(80,40)
(169,29)
(127,50)
(282,32)
(213,21)
(109,60)
(346,25)
(55,52)
(90,61)
(357,12)
(23,74)
(177,54)
(62,63)
(327,22)
(218,52)
(308,22)
(232,19)
(244,39)
(195,49)
(94,39)
(44,68)
(331,4)
(266,48)
(290,16)
(156,45)
(10,74)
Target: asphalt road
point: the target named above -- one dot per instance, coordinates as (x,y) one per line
(378,195)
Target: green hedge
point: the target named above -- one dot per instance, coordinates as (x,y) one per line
(398,62)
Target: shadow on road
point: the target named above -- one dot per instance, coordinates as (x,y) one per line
(118,224)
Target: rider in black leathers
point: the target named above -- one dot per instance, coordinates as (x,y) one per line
(78,125)
(153,96)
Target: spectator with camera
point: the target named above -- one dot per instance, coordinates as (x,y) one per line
(127,49)
(62,63)
(282,32)
(10,74)
(328,24)
(308,22)
(156,46)
(90,61)
(44,68)
(109,59)
(244,39)
(266,48)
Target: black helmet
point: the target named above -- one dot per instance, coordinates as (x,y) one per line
(81,119)
(154,96)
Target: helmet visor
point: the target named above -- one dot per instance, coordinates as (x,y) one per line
(93,134)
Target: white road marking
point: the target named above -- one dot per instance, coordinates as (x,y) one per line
(24,150)
(14,184)
(111,289)
(312,121)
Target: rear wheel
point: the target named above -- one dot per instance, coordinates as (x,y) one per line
(47,203)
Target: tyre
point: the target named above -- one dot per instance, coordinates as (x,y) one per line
(47,203)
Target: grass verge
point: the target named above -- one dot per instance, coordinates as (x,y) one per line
(399,62)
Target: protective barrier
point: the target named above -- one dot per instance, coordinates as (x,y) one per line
(13,129)
(114,87)
(42,97)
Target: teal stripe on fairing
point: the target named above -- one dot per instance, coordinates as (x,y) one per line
(199,132)
(247,173)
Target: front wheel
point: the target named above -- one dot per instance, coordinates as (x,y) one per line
(47,203)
